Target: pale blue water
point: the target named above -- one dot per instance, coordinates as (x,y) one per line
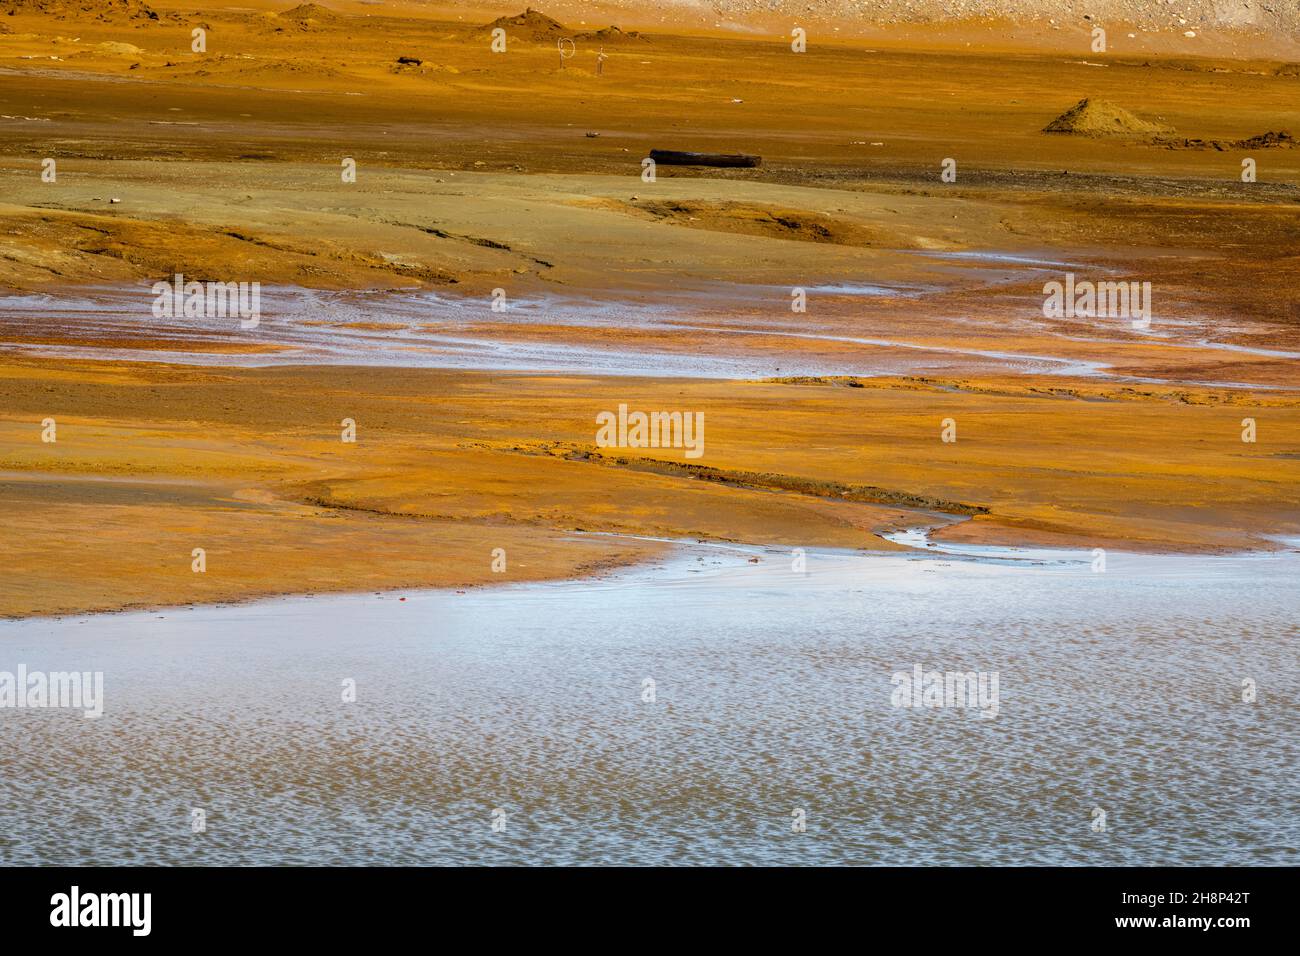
(1119,691)
(747,328)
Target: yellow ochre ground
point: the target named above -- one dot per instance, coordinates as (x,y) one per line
(475,171)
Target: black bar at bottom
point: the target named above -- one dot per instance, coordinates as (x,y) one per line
(945,906)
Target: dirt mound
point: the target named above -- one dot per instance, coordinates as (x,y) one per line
(112,48)
(305,17)
(1091,117)
(82,9)
(612,34)
(1270,140)
(531,25)
(305,12)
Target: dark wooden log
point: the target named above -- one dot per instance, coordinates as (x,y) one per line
(672,157)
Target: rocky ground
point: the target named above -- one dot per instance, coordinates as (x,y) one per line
(1279,18)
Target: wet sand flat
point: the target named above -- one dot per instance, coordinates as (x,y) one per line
(773,692)
(448,465)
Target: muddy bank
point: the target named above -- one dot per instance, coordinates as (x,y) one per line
(152,461)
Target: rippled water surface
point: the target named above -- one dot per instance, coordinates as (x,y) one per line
(1118,690)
